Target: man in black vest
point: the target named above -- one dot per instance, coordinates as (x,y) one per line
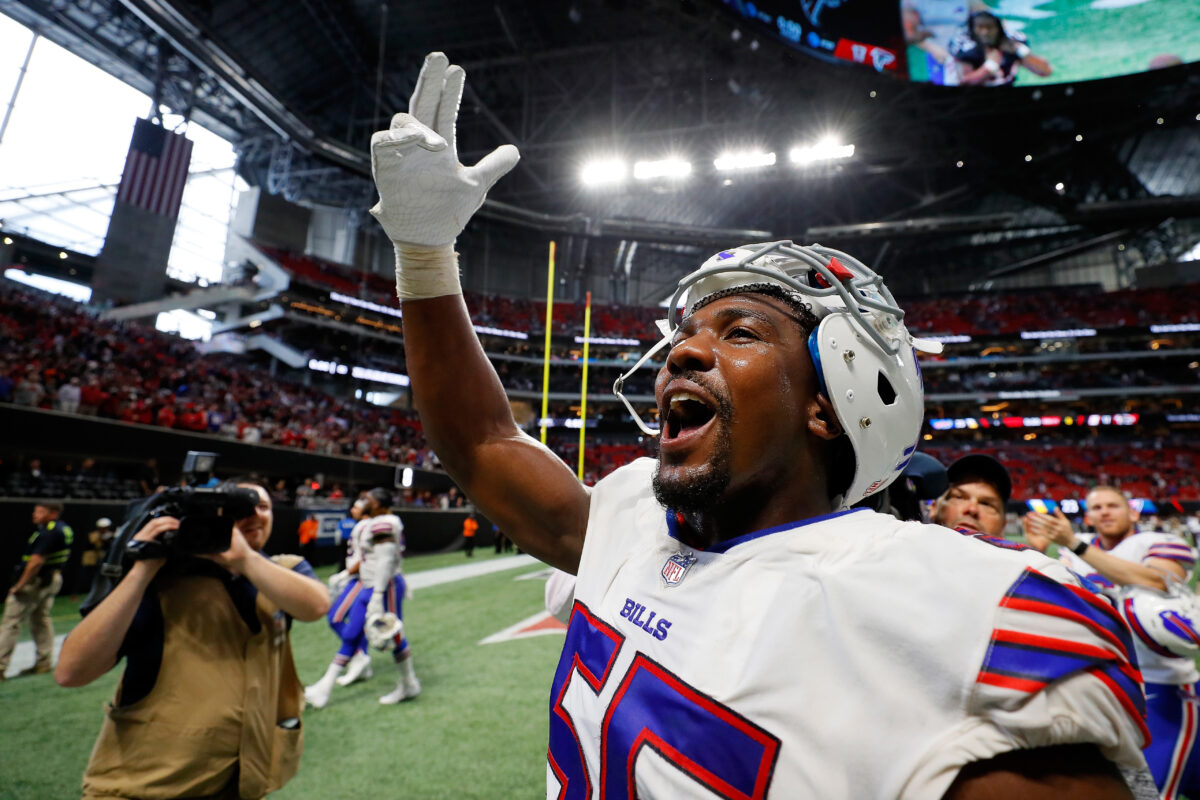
(32,594)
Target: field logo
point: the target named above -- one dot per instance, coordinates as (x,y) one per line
(676,567)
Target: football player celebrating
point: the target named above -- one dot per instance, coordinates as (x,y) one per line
(1149,574)
(737,629)
(368,608)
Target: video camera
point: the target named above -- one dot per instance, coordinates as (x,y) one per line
(206,514)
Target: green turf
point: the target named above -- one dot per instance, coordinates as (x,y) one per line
(478,730)
(1082,42)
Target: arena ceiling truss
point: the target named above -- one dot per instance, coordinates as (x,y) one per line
(298,86)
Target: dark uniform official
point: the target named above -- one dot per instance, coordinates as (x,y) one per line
(32,594)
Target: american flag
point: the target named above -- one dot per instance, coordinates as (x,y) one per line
(156,169)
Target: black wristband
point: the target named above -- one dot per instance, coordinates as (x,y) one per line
(1080,548)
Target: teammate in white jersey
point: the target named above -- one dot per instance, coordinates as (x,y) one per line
(736,630)
(1139,569)
(372,595)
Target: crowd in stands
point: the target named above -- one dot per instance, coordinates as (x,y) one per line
(1083,375)
(1007,312)
(89,478)
(61,357)
(1160,469)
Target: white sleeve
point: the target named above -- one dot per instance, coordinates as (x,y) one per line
(1058,670)
(560,595)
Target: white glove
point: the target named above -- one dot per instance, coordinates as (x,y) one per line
(425,196)
(375,605)
(337,583)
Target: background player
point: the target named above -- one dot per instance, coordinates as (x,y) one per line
(758,605)
(359,667)
(376,589)
(1141,565)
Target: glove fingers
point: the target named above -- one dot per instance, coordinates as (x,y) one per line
(495,165)
(428,92)
(447,113)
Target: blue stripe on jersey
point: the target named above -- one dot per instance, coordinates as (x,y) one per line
(1035,586)
(1036,663)
(725,546)
(1131,688)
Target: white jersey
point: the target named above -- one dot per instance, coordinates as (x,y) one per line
(1158,665)
(362,539)
(850,655)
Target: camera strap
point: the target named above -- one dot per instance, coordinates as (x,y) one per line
(141,550)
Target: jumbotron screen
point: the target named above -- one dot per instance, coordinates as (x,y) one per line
(968,42)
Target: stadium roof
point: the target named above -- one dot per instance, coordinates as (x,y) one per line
(299,87)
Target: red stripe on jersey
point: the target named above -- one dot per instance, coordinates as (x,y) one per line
(1067,646)
(1049,609)
(1187,739)
(1126,703)
(1010,682)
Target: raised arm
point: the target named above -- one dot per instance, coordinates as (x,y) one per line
(91,649)
(426,197)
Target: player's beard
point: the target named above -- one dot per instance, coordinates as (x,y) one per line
(700,488)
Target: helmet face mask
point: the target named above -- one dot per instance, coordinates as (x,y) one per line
(863,355)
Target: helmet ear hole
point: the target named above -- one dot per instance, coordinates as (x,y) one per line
(886,392)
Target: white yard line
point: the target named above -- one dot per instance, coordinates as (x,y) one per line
(25,655)
(434,577)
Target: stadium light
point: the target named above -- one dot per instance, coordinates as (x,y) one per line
(603,172)
(744,160)
(824,150)
(663,168)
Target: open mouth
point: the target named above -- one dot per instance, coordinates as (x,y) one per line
(686,414)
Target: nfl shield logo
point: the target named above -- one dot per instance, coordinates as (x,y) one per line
(676,567)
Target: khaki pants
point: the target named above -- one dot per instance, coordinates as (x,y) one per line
(31,603)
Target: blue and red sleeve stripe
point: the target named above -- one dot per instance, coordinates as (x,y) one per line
(1028,662)
(1174,552)
(1036,593)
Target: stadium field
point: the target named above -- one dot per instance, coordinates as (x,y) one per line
(478,730)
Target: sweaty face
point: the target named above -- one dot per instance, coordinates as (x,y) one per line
(1109,513)
(986,31)
(731,399)
(971,504)
(256,528)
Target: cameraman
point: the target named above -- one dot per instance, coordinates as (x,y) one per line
(209,704)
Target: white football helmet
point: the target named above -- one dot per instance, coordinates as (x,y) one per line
(864,357)
(381,629)
(1166,622)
